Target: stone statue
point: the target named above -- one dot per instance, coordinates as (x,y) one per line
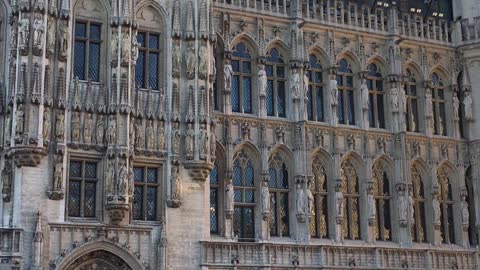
(112,131)
(24,31)
(135,46)
(300,203)
(403,99)
(7,180)
(75,127)
(464,210)
(114,44)
(394,96)
(213,143)
(428,103)
(109,176)
(265,198)
(436,211)
(189,140)
(126,45)
(176,138)
(100,129)
(122,178)
(14,35)
(131,132)
(203,60)
(339,204)
(372,208)
(402,207)
(161,136)
(305,85)
(365,94)
(51,35)
(227,75)
(456,106)
(150,136)
(58,176)
(46,124)
(177,183)
(311,200)
(64,38)
(262,81)
(334,91)
(467,104)
(412,208)
(20,116)
(60,126)
(296,84)
(38,30)
(229,196)
(190,60)
(139,134)
(176,58)
(131,180)
(203,138)
(88,129)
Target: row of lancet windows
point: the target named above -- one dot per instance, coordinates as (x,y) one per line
(322,214)
(242,96)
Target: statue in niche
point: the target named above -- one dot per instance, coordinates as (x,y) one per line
(14,33)
(177,183)
(213,144)
(109,176)
(339,204)
(150,136)
(334,90)
(24,31)
(394,96)
(20,118)
(38,30)
(60,126)
(189,140)
(7,180)
(265,197)
(135,46)
(75,127)
(203,138)
(126,45)
(262,80)
(365,96)
(112,131)
(310,198)
(122,178)
(436,210)
(190,60)
(114,44)
(296,83)
(402,206)
(51,35)
(467,104)
(300,203)
(161,136)
(227,75)
(88,129)
(203,61)
(58,175)
(229,196)
(46,124)
(456,106)
(176,58)
(372,208)
(305,85)
(139,134)
(412,207)
(176,138)
(131,132)
(464,210)
(100,129)
(428,103)
(64,38)
(131,180)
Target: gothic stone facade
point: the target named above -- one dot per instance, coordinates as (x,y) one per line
(239,134)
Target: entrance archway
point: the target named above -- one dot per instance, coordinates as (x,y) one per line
(99,260)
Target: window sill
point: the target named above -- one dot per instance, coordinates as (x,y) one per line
(146,223)
(83,220)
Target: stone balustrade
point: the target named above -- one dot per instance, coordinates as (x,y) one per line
(416,27)
(226,255)
(470,31)
(280,7)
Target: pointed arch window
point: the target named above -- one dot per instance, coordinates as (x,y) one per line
(351,205)
(417,195)
(445,198)
(276,80)
(438,99)
(319,189)
(411,93)
(241,97)
(315,111)
(376,111)
(87,48)
(244,197)
(470,199)
(214,199)
(147,68)
(278,187)
(346,101)
(382,195)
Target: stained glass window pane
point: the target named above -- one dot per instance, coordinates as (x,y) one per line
(153,41)
(270,99)
(80,29)
(75,169)
(95,31)
(235,94)
(247,95)
(152,175)
(213,211)
(249,175)
(237,221)
(89,199)
(318,77)
(281,99)
(79,60)
(138,203)
(151,203)
(153,70)
(74,194)
(237,175)
(140,70)
(94,62)
(214,175)
(90,170)
(349,81)
(138,174)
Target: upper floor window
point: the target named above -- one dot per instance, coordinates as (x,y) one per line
(214,194)
(86,60)
(438,99)
(319,212)
(276,80)
(278,187)
(315,110)
(147,68)
(411,93)
(376,112)
(146,193)
(381,193)
(346,101)
(242,79)
(418,196)
(445,201)
(351,202)
(244,197)
(82,188)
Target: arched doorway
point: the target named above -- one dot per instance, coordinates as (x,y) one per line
(99,260)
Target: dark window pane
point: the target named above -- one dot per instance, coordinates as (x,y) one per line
(379,85)
(283,215)
(213,211)
(89,199)
(153,70)
(273,215)
(247,95)
(74,194)
(153,41)
(138,203)
(152,175)
(351,108)
(151,203)
(281,106)
(95,31)
(371,110)
(214,175)
(247,67)
(249,175)
(138,174)
(90,170)
(280,72)
(249,196)
(140,70)
(381,112)
(75,169)
(80,29)
(236,66)
(237,195)
(235,94)
(94,64)
(270,99)
(318,77)
(310,104)
(269,70)
(341,118)
(272,182)
(319,103)
(141,39)
(237,175)
(349,81)
(79,60)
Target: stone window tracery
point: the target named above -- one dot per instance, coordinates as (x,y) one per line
(87,50)
(147,68)
(411,93)
(214,199)
(346,100)
(243,179)
(417,196)
(278,187)
(439,101)
(381,192)
(445,199)
(241,97)
(315,110)
(351,205)
(146,193)
(376,111)
(319,187)
(82,188)
(276,83)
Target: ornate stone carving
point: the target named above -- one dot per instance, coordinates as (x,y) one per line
(465,213)
(100,130)
(229,198)
(403,204)
(334,90)
(60,126)
(24,33)
(57,191)
(63,40)
(46,124)
(394,99)
(296,84)
(139,134)
(280,135)
(227,76)
(38,31)
(245,128)
(310,198)
(176,59)
(176,138)
(262,81)
(150,136)
(428,102)
(203,62)
(176,197)
(112,131)
(161,136)
(339,205)
(203,142)
(75,123)
(199,171)
(467,105)
(190,61)
(265,200)
(88,129)
(456,106)
(436,211)
(7,180)
(365,94)
(189,141)
(300,203)
(20,119)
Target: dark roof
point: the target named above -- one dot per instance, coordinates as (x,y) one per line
(443,6)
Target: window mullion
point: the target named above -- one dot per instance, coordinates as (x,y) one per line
(82,191)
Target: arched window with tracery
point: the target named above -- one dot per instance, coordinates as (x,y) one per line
(319,189)
(315,111)
(244,197)
(214,199)
(278,187)
(445,198)
(276,80)
(470,200)
(241,62)
(382,195)
(346,100)
(417,196)
(376,111)
(351,205)
(439,101)
(411,93)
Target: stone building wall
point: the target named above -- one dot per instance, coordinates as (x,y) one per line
(233,134)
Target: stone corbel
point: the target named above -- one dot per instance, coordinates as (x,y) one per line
(199,170)
(28,156)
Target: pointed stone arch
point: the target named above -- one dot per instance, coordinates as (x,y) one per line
(248,40)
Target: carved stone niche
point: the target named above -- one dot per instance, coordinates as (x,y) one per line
(27,156)
(199,171)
